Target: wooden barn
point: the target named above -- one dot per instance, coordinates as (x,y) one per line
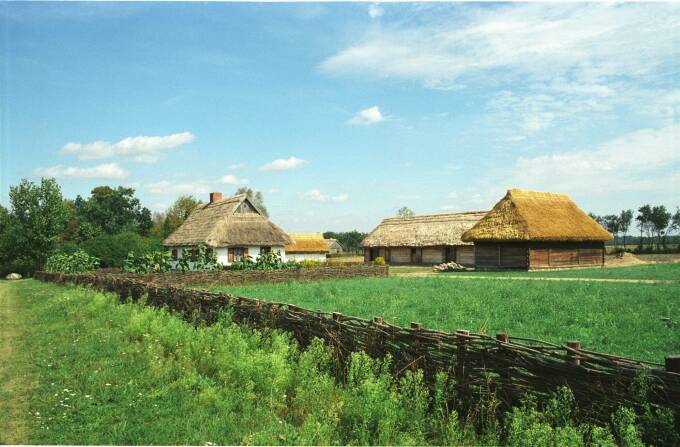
(536,230)
(431,239)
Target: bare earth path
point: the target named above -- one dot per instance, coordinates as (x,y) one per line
(13,385)
(535,278)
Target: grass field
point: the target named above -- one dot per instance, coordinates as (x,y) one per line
(83,369)
(636,320)
(660,271)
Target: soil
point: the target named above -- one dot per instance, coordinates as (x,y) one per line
(623,260)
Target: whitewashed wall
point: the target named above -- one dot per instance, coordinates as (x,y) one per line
(318,257)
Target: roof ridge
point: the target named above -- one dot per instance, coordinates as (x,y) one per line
(425,216)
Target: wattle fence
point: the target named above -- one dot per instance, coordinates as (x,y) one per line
(481,365)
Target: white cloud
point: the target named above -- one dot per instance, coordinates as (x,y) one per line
(230,179)
(368,117)
(283,164)
(236,166)
(375,10)
(196,187)
(450,207)
(452,195)
(588,41)
(317,196)
(647,159)
(107,171)
(143,149)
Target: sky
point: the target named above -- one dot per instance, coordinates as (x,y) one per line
(341,113)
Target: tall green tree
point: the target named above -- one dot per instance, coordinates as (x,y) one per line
(612,224)
(625,219)
(256,197)
(37,218)
(111,211)
(644,219)
(660,219)
(350,240)
(405,211)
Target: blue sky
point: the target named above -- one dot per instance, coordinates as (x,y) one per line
(342,113)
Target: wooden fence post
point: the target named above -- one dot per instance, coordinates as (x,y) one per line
(337,317)
(673,364)
(460,368)
(574,358)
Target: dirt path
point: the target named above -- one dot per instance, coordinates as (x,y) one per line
(537,278)
(13,386)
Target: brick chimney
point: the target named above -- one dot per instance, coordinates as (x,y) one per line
(215,197)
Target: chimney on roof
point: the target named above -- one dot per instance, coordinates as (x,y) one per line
(215,197)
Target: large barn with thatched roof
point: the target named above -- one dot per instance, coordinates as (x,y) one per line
(307,246)
(234,227)
(536,230)
(431,239)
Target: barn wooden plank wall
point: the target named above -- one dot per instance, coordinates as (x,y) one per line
(480,364)
(537,255)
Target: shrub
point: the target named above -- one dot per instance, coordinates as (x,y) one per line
(379,261)
(265,261)
(77,262)
(204,261)
(309,264)
(112,250)
(155,262)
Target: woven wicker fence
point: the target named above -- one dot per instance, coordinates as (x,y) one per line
(480,364)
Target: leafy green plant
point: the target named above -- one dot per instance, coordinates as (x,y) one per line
(76,262)
(379,261)
(154,262)
(265,261)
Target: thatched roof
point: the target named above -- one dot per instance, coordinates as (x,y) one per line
(307,243)
(536,216)
(219,225)
(422,231)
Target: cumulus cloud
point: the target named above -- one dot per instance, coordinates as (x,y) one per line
(646,159)
(375,10)
(143,149)
(107,171)
(368,117)
(196,187)
(283,164)
(317,196)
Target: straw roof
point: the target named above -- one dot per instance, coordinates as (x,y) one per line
(219,225)
(307,243)
(423,231)
(536,216)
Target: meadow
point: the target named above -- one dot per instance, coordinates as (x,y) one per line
(636,320)
(84,369)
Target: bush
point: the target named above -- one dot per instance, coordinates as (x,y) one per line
(205,260)
(112,250)
(379,261)
(309,264)
(265,261)
(77,262)
(155,262)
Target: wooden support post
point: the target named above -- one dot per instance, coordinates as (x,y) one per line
(574,358)
(378,320)
(502,337)
(673,364)
(416,326)
(337,317)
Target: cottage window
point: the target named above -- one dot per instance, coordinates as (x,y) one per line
(238,253)
(194,253)
(174,254)
(265,249)
(208,253)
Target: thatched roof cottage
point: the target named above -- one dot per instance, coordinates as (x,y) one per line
(534,230)
(232,226)
(430,239)
(309,246)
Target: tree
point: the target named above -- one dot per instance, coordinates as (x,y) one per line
(38,216)
(350,240)
(612,224)
(111,211)
(180,210)
(660,219)
(405,211)
(256,197)
(675,221)
(644,221)
(625,219)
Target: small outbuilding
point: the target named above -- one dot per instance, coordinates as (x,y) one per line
(430,239)
(334,246)
(307,246)
(233,227)
(536,230)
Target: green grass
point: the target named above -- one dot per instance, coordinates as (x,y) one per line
(661,271)
(104,373)
(636,320)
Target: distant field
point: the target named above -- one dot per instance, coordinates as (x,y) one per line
(641,321)
(661,271)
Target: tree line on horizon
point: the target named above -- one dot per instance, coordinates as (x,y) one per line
(655,224)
